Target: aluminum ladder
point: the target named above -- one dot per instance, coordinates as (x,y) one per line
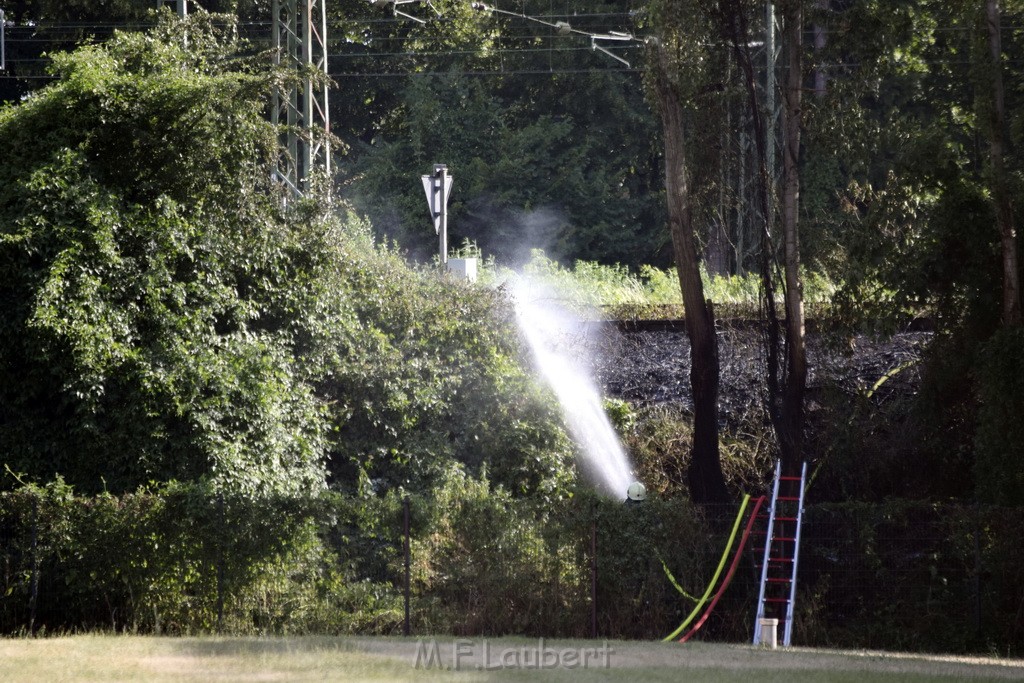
(777,594)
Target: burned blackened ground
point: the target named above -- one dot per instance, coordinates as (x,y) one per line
(859,408)
(652,367)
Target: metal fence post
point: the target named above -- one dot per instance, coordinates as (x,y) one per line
(977,571)
(405,533)
(593,578)
(34,581)
(220,561)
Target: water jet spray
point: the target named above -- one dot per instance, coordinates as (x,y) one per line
(550,331)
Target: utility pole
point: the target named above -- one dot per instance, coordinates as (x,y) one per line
(3,43)
(300,37)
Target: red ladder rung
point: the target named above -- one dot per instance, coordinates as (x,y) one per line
(789,498)
(773,579)
(780,559)
(776,599)
(782,538)
(785,519)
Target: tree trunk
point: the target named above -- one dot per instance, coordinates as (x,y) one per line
(733,19)
(707,484)
(1000,191)
(820,40)
(791,438)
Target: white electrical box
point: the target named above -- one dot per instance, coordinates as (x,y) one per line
(463,268)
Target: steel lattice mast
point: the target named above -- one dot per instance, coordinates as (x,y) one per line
(300,37)
(300,109)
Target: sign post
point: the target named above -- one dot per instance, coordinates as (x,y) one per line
(438,187)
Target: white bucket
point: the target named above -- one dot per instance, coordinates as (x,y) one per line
(769,633)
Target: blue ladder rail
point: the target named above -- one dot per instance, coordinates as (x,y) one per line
(767,555)
(796,558)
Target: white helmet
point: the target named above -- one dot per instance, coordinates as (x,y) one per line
(636,491)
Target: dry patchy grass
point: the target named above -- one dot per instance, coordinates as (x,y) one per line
(138,658)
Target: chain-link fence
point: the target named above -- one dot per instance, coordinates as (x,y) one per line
(906,575)
(913,576)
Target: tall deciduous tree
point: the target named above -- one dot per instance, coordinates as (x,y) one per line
(683,30)
(734,24)
(998,181)
(916,134)
(791,428)
(140,249)
(785,383)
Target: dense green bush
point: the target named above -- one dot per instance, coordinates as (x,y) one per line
(421,371)
(164,317)
(186,559)
(141,252)
(487,563)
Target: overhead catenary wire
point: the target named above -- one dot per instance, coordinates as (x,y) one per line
(492,72)
(557,21)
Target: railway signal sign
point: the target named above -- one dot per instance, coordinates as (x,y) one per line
(438,187)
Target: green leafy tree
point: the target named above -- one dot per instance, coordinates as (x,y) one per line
(911,172)
(164,319)
(550,146)
(790,426)
(998,174)
(677,90)
(43,27)
(140,248)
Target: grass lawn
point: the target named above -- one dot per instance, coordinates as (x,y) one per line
(135,658)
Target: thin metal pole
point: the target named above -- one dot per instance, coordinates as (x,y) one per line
(220,562)
(593,579)
(976,616)
(741,202)
(180,6)
(769,88)
(443,231)
(405,533)
(34,588)
(3,43)
(325,92)
(306,169)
